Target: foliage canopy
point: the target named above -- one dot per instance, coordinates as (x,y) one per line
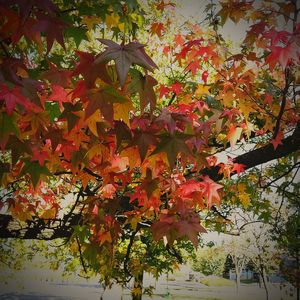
(113,119)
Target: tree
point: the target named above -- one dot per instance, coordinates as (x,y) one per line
(237,250)
(101,148)
(209,261)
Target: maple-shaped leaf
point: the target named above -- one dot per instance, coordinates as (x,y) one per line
(172,145)
(53,29)
(176,88)
(90,69)
(124,56)
(283,55)
(122,132)
(234,134)
(178,40)
(210,191)
(69,113)
(268,99)
(168,119)
(8,126)
(12,98)
(157,28)
(18,148)
(190,228)
(40,156)
(57,76)
(238,168)
(26,6)
(35,170)
(143,140)
(59,94)
(144,86)
(204,76)
(277,140)
(103,100)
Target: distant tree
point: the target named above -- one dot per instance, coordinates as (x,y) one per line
(209,261)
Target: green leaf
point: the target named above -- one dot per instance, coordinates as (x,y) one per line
(54,111)
(173,145)
(78,34)
(35,170)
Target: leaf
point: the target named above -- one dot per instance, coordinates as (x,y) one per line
(122,110)
(54,111)
(8,126)
(78,34)
(176,88)
(278,140)
(144,86)
(35,170)
(172,145)
(39,156)
(49,213)
(53,29)
(234,134)
(59,94)
(69,114)
(91,21)
(90,70)
(283,55)
(210,191)
(238,168)
(103,100)
(143,140)
(113,20)
(125,56)
(57,76)
(12,98)
(157,28)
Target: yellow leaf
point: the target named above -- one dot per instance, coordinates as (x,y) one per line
(92,122)
(121,111)
(234,134)
(245,107)
(49,213)
(245,199)
(90,21)
(113,20)
(243,196)
(24,216)
(201,90)
(105,237)
(97,150)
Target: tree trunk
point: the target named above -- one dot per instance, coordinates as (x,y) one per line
(297,274)
(138,286)
(264,279)
(238,278)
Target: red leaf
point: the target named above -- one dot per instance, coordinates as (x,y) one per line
(157,28)
(238,168)
(283,55)
(179,41)
(278,140)
(12,98)
(211,191)
(39,156)
(176,88)
(52,28)
(204,76)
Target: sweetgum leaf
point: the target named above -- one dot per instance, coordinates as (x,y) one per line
(125,56)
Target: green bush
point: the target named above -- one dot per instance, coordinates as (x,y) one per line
(209,261)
